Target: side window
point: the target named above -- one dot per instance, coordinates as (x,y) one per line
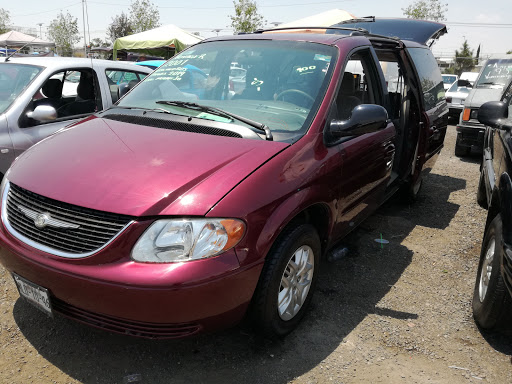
(71,92)
(358,84)
(120,82)
(430,76)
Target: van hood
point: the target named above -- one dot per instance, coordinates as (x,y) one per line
(138,170)
(478,96)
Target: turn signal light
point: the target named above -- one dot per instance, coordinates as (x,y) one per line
(465,115)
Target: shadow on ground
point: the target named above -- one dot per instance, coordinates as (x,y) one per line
(348,291)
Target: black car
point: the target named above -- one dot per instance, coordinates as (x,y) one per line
(492,298)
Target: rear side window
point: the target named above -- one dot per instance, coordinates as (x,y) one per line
(430,76)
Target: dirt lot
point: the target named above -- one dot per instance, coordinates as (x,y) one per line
(394,313)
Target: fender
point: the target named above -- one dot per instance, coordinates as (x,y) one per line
(505,202)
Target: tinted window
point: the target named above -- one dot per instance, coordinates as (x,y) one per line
(430,76)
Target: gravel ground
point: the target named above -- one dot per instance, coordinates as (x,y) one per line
(393,313)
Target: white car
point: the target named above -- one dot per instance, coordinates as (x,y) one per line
(40,95)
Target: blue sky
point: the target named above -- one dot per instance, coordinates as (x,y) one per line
(486,23)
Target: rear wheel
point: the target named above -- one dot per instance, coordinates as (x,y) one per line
(287,281)
(492,306)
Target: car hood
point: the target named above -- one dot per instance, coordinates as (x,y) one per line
(138,170)
(478,96)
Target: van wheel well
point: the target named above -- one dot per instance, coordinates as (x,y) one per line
(318,216)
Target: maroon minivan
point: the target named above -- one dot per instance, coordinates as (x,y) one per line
(190,205)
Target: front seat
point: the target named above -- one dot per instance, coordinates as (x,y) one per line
(52,90)
(346,100)
(85,100)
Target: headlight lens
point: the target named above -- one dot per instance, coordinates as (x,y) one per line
(474,114)
(170,241)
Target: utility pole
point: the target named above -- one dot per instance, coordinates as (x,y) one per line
(85,39)
(40,32)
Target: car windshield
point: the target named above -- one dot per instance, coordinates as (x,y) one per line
(14,78)
(496,74)
(448,79)
(279,84)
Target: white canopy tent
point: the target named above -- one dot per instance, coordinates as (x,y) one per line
(162,41)
(18,39)
(324,19)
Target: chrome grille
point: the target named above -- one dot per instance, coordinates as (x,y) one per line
(95,228)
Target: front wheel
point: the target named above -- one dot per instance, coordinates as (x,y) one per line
(287,281)
(492,307)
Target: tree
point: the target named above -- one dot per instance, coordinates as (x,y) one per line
(144,15)
(426,10)
(64,32)
(246,18)
(5,20)
(464,60)
(119,27)
(97,42)
(509,52)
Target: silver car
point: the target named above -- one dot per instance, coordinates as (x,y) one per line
(455,97)
(40,95)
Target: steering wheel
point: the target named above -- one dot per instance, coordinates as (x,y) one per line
(295,91)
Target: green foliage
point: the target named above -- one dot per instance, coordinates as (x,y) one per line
(97,42)
(119,27)
(246,18)
(426,10)
(509,52)
(144,15)
(64,32)
(464,60)
(5,20)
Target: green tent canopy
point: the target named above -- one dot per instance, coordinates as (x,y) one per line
(163,41)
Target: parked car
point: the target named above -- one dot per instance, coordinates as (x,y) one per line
(456,96)
(492,299)
(449,80)
(39,96)
(173,213)
(493,77)
(469,76)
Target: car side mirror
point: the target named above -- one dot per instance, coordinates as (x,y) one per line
(43,114)
(493,113)
(365,118)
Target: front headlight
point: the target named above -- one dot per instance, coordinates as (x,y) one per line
(177,240)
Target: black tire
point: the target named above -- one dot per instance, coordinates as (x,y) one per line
(409,192)
(492,308)
(265,313)
(481,194)
(461,151)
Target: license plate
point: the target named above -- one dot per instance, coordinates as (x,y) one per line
(34,293)
(456,101)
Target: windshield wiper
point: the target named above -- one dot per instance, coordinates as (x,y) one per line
(488,83)
(221,113)
(161,110)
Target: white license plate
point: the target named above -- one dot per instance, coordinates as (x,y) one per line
(456,101)
(35,294)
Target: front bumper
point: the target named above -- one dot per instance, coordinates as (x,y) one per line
(471,136)
(140,299)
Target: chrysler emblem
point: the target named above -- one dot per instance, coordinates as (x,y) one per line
(42,220)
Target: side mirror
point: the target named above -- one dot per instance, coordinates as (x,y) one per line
(365,118)
(43,114)
(493,113)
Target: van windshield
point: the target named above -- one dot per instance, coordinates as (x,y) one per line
(14,78)
(496,74)
(276,83)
